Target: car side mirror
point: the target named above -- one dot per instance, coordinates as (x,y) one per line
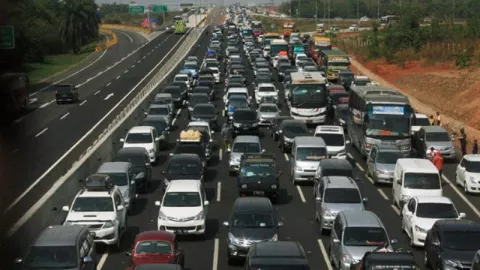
(365,199)
(336,241)
(87,259)
(347,142)
(145,113)
(280,224)
(66,208)
(132,182)
(120,208)
(393,241)
(128,253)
(163,172)
(157,139)
(318,199)
(122,140)
(436,243)
(212,132)
(462,215)
(18,260)
(148,164)
(226,224)
(206,203)
(157,203)
(263,150)
(171,154)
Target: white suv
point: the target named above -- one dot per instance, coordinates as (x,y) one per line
(265,90)
(334,137)
(143,136)
(184,208)
(99,205)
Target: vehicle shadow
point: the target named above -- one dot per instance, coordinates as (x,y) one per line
(283,197)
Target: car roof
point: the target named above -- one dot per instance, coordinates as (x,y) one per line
(58,235)
(181,75)
(433,199)
(458,224)
(340,182)
(281,249)
(434,129)
(155,235)
(302,141)
(204,105)
(386,147)
(420,115)
(141,129)
(335,164)
(198,123)
(247,139)
(417,165)
(329,129)
(472,157)
(159,106)
(115,166)
(154,118)
(238,90)
(163,95)
(257,204)
(361,219)
(185,156)
(266,85)
(184,186)
(199,94)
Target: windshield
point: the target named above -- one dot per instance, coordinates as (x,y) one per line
(238,103)
(336,95)
(204,110)
(176,92)
(158,111)
(51,257)
(183,168)
(162,100)
(364,236)
(245,116)
(265,108)
(190,148)
(196,99)
(421,181)
(389,157)
(347,77)
(472,166)
(437,137)
(190,67)
(93,204)
(119,179)
(182,199)
(436,210)
(422,122)
(139,138)
(311,153)
(153,247)
(461,240)
(252,220)
(158,125)
(64,89)
(241,147)
(308,96)
(267,89)
(136,160)
(262,169)
(295,129)
(388,120)
(332,139)
(342,195)
(362,82)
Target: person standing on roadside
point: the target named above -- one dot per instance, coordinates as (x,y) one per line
(227,136)
(475,147)
(463,141)
(438,162)
(439,119)
(431,153)
(431,120)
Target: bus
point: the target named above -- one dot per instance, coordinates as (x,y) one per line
(179,25)
(13,93)
(268,37)
(318,44)
(277,46)
(379,115)
(308,97)
(388,20)
(288,29)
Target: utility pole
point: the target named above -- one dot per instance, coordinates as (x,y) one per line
(329,20)
(378,9)
(324,11)
(454,11)
(298,10)
(316,13)
(358,11)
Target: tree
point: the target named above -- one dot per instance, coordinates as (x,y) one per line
(79,23)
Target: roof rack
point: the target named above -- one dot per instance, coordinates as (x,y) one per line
(98,182)
(258,156)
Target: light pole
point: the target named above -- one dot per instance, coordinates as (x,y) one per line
(378,9)
(316,13)
(329,20)
(358,11)
(298,10)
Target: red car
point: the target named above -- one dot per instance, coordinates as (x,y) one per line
(155,247)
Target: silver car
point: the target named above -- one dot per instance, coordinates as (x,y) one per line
(164,99)
(162,111)
(381,162)
(334,194)
(354,234)
(242,145)
(266,112)
(436,137)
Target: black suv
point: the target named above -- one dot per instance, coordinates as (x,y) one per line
(277,255)
(196,98)
(258,176)
(253,219)
(288,130)
(206,113)
(192,148)
(138,157)
(386,260)
(65,93)
(177,95)
(183,167)
(244,121)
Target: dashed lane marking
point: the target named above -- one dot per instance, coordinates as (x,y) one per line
(383,194)
(176,116)
(32,100)
(286,156)
(133,66)
(395,209)
(215,254)
(98,92)
(460,194)
(220,153)
(324,254)
(43,105)
(118,77)
(138,62)
(350,155)
(300,192)
(126,71)
(359,167)
(108,84)
(64,116)
(41,132)
(108,96)
(219,191)
(83,102)
(102,261)
(370,179)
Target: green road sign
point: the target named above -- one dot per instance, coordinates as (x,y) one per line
(160,9)
(136,9)
(7,37)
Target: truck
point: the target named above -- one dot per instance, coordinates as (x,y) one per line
(318,44)
(333,61)
(288,29)
(180,25)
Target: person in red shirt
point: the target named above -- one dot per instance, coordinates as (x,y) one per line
(438,162)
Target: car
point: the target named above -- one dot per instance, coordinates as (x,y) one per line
(288,130)
(258,176)
(244,121)
(177,94)
(216,73)
(340,115)
(155,247)
(383,258)
(184,208)
(99,204)
(265,90)
(467,174)
(201,126)
(334,137)
(361,81)
(183,78)
(143,136)
(306,154)
(65,93)
(184,87)
(421,212)
(241,145)
(266,112)
(192,147)
(235,102)
(123,177)
(203,90)
(436,137)
(182,167)
(381,162)
(161,127)
(336,95)
(68,247)
(277,255)
(419,120)
(197,98)
(254,219)
(346,77)
(205,112)
(163,111)
(275,124)
(163,99)
(141,167)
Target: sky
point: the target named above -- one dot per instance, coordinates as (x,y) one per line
(176,2)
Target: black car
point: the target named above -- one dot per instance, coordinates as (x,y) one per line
(65,93)
(277,255)
(234,84)
(210,84)
(138,157)
(158,266)
(205,112)
(258,176)
(182,86)
(244,121)
(346,77)
(262,79)
(274,128)
(336,95)
(452,244)
(183,167)
(192,148)
(253,219)
(203,90)
(341,114)
(177,95)
(281,70)
(236,69)
(197,98)
(161,127)
(386,260)
(288,130)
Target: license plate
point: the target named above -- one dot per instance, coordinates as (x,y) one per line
(180,231)
(259,192)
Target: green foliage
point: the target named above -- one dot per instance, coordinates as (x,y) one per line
(463,59)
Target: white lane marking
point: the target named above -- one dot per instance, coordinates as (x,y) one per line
(139,61)
(125,34)
(118,77)
(350,155)
(220,154)
(223,113)
(96,93)
(176,116)
(126,71)
(359,167)
(286,156)
(144,57)
(219,191)
(108,84)
(32,210)
(69,76)
(102,261)
(383,194)
(395,209)
(460,194)
(32,100)
(44,105)
(100,73)
(64,116)
(370,179)
(108,96)
(324,254)
(41,132)
(148,53)
(215,254)
(133,66)
(83,102)
(300,192)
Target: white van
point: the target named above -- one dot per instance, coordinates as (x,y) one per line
(415,177)
(334,137)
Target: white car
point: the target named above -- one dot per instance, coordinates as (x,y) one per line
(266,51)
(353,28)
(99,205)
(200,126)
(301,57)
(468,173)
(419,120)
(143,136)
(183,78)
(421,212)
(216,74)
(184,208)
(265,90)
(334,137)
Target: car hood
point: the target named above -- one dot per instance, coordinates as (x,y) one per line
(147,146)
(253,233)
(390,168)
(462,256)
(426,223)
(267,114)
(338,207)
(292,135)
(152,258)
(124,190)
(90,216)
(358,252)
(440,145)
(236,156)
(181,212)
(267,94)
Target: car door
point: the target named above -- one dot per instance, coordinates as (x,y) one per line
(204,198)
(435,247)
(121,214)
(335,241)
(371,161)
(460,172)
(131,183)
(319,197)
(155,141)
(397,188)
(408,215)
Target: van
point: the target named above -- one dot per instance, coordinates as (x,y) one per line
(122,176)
(307,152)
(415,177)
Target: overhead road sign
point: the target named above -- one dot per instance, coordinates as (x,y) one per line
(136,9)
(7,37)
(160,9)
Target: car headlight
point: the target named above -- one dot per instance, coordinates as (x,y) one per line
(275,237)
(232,239)
(348,259)
(151,151)
(381,172)
(472,180)
(288,139)
(405,197)
(298,169)
(108,224)
(162,216)
(405,147)
(254,124)
(420,229)
(328,213)
(199,216)
(236,124)
(244,186)
(274,186)
(452,263)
